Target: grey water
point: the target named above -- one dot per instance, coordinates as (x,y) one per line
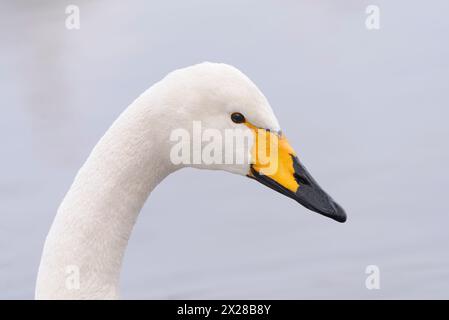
(366,110)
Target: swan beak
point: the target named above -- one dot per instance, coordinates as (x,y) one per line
(282,171)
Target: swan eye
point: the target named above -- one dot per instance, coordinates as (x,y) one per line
(237,117)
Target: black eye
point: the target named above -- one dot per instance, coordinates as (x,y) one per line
(237,117)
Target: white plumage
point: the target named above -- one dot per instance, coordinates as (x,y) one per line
(95,219)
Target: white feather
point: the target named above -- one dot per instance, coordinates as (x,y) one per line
(94,222)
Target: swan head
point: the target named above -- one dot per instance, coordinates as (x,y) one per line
(222,121)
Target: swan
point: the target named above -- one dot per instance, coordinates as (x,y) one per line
(93,223)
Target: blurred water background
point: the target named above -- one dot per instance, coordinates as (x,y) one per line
(366,110)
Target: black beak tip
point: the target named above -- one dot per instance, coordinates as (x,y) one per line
(332,210)
(341,219)
(339,213)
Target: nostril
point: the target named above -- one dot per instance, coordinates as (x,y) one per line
(301,179)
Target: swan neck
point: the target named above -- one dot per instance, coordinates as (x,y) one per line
(84,249)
